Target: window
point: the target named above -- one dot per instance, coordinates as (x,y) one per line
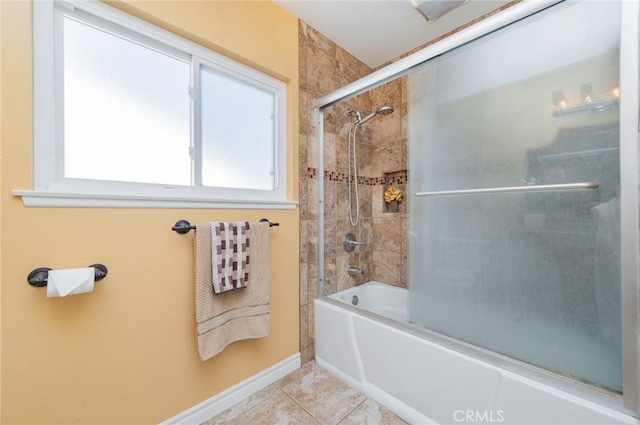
(130,113)
(126,109)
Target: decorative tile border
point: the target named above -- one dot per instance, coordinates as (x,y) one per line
(394,178)
(333,176)
(311,173)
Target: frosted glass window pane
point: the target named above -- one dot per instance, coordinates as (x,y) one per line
(126,110)
(238,130)
(532,276)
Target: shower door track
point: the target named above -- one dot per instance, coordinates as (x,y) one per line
(629,401)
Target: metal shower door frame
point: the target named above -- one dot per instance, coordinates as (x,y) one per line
(629,402)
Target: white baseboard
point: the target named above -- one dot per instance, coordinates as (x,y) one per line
(218,403)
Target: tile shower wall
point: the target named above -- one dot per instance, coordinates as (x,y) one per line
(388,145)
(382,159)
(324,67)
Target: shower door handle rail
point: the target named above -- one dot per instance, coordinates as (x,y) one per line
(515,189)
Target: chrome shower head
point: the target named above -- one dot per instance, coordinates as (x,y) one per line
(385,110)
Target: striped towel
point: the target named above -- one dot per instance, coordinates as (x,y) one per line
(233,315)
(229,255)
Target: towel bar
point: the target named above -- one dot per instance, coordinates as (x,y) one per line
(39,277)
(183,226)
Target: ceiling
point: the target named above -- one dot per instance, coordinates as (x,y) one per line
(376,31)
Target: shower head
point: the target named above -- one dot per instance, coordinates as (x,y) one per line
(385,110)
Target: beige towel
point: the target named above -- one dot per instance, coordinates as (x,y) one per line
(235,315)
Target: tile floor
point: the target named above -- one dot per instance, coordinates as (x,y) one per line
(310,395)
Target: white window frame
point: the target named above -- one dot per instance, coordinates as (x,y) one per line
(50,188)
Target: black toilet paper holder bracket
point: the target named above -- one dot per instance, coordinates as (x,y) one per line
(39,277)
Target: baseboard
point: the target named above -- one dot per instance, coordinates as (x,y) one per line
(207,409)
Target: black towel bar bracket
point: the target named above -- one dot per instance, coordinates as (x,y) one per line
(40,276)
(183,226)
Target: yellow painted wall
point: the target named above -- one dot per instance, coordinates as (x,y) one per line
(126,353)
(0,217)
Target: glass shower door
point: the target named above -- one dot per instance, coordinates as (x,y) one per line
(514,235)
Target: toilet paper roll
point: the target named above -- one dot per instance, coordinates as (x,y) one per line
(65,282)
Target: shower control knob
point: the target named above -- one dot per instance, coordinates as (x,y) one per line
(349,242)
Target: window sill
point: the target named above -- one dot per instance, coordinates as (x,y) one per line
(32,198)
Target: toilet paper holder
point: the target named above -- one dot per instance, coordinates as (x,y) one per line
(40,276)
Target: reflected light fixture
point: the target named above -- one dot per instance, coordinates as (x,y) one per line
(586,92)
(433,9)
(558,100)
(588,101)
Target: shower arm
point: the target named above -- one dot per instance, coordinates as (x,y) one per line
(515,189)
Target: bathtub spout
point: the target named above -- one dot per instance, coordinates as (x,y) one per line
(354,271)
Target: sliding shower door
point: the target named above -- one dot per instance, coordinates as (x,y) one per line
(514,224)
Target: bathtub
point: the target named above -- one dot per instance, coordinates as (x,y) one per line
(372,347)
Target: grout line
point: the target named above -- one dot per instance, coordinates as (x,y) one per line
(354,409)
(299,377)
(280,390)
(248,408)
(302,407)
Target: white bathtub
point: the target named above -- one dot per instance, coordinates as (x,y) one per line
(372,348)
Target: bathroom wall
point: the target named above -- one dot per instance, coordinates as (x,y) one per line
(382,162)
(324,67)
(388,145)
(126,353)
